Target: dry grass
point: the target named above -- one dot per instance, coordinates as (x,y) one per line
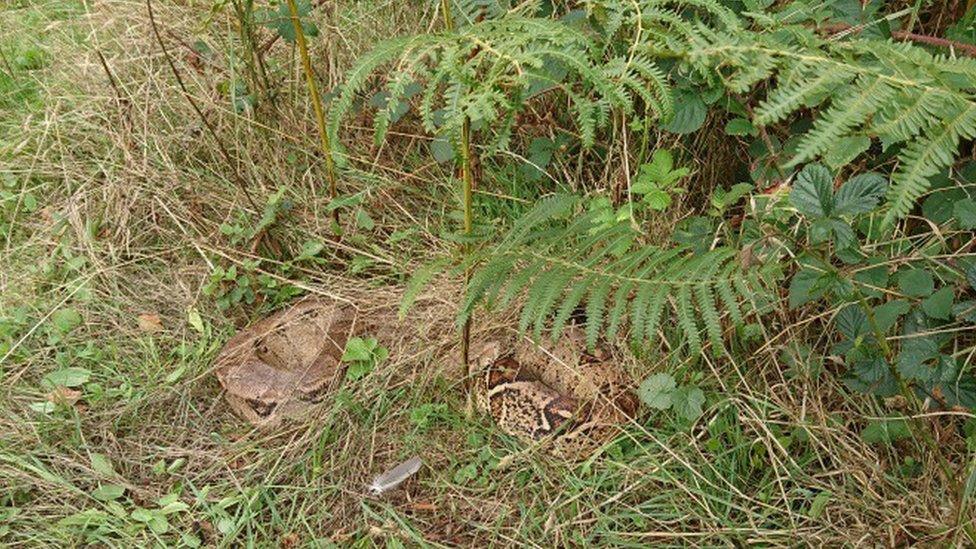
(132,194)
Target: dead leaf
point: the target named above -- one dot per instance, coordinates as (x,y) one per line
(64,395)
(150,323)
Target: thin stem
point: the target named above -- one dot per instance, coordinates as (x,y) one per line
(196,108)
(467,177)
(313,90)
(6,63)
(920,428)
(446,9)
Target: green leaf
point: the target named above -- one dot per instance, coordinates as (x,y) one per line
(965,212)
(86,519)
(66,320)
(280,20)
(845,150)
(364,221)
(45,407)
(872,375)
(860,195)
(102,465)
(359,370)
(886,431)
(806,286)
(175,375)
(887,315)
(311,248)
(916,282)
(108,492)
(539,155)
(359,349)
(740,126)
(195,321)
(939,304)
(67,377)
(813,192)
(689,114)
(852,322)
(688,401)
(965,311)
(818,504)
(442,150)
(656,391)
(658,200)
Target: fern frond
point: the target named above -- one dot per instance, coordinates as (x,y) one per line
(686,320)
(847,111)
(561,260)
(925,158)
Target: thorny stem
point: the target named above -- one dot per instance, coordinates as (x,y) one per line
(906,391)
(313,90)
(919,426)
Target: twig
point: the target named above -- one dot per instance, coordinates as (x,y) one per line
(907,36)
(111,77)
(968,49)
(179,80)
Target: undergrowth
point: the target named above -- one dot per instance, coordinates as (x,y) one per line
(765,205)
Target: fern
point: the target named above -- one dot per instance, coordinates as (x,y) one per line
(558,256)
(486,70)
(893,91)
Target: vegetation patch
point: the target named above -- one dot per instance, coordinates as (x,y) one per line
(746,227)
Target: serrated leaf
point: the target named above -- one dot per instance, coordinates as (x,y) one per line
(872,376)
(886,431)
(916,282)
(656,199)
(740,126)
(939,304)
(861,194)
(845,150)
(442,150)
(66,320)
(887,315)
(688,115)
(965,213)
(852,322)
(806,287)
(359,349)
(813,192)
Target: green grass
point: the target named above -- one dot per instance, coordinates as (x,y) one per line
(112,210)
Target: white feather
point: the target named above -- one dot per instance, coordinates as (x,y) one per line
(392,478)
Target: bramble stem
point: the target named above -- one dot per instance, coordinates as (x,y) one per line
(313,90)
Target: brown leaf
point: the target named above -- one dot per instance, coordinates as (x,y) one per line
(288,541)
(150,323)
(64,395)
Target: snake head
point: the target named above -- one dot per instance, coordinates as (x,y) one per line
(485,353)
